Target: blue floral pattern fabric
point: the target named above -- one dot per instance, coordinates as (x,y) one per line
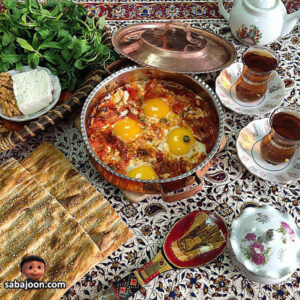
(227,186)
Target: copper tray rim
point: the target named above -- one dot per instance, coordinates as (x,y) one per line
(226,42)
(209,157)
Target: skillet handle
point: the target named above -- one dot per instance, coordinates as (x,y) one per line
(185,194)
(222,143)
(128,286)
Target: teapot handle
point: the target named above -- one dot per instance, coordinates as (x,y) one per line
(222,10)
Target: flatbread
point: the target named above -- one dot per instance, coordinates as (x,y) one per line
(32,222)
(93,212)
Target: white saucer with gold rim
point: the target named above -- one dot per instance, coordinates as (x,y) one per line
(226,93)
(248,149)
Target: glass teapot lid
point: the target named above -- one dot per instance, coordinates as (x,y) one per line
(263,3)
(266,242)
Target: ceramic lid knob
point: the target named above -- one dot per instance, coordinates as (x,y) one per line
(263,3)
(270,235)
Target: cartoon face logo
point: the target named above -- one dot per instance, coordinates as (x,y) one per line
(33,267)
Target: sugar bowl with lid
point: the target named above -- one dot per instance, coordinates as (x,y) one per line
(264,244)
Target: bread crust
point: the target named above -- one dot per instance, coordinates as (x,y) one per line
(93,212)
(32,222)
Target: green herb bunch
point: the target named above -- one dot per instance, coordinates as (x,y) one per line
(58,35)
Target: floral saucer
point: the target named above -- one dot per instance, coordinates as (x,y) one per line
(248,149)
(224,89)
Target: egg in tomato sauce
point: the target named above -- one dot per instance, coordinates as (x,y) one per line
(180,141)
(126,129)
(161,135)
(156,108)
(142,172)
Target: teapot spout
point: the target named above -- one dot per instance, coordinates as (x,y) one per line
(290,21)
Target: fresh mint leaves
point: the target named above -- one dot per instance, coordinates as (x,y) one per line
(58,35)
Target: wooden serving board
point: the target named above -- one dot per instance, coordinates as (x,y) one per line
(93,212)
(32,222)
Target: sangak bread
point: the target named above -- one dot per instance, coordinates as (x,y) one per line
(94,213)
(32,222)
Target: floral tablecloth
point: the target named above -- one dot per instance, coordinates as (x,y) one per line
(227,185)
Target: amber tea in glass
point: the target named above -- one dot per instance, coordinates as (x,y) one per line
(259,62)
(280,144)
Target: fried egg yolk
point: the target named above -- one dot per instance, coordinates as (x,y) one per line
(142,172)
(127,130)
(180,141)
(156,108)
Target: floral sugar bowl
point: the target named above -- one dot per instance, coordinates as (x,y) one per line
(264,244)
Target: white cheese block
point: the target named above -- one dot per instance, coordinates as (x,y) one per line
(33,90)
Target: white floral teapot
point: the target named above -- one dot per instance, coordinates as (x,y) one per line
(259,22)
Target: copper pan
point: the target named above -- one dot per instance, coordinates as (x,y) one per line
(161,186)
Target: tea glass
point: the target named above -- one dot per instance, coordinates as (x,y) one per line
(258,63)
(279,145)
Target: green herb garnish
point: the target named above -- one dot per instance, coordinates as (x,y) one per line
(186,139)
(58,35)
(163,120)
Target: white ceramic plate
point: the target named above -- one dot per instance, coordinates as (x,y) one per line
(248,149)
(55,93)
(272,99)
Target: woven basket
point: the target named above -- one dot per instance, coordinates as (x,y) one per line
(9,139)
